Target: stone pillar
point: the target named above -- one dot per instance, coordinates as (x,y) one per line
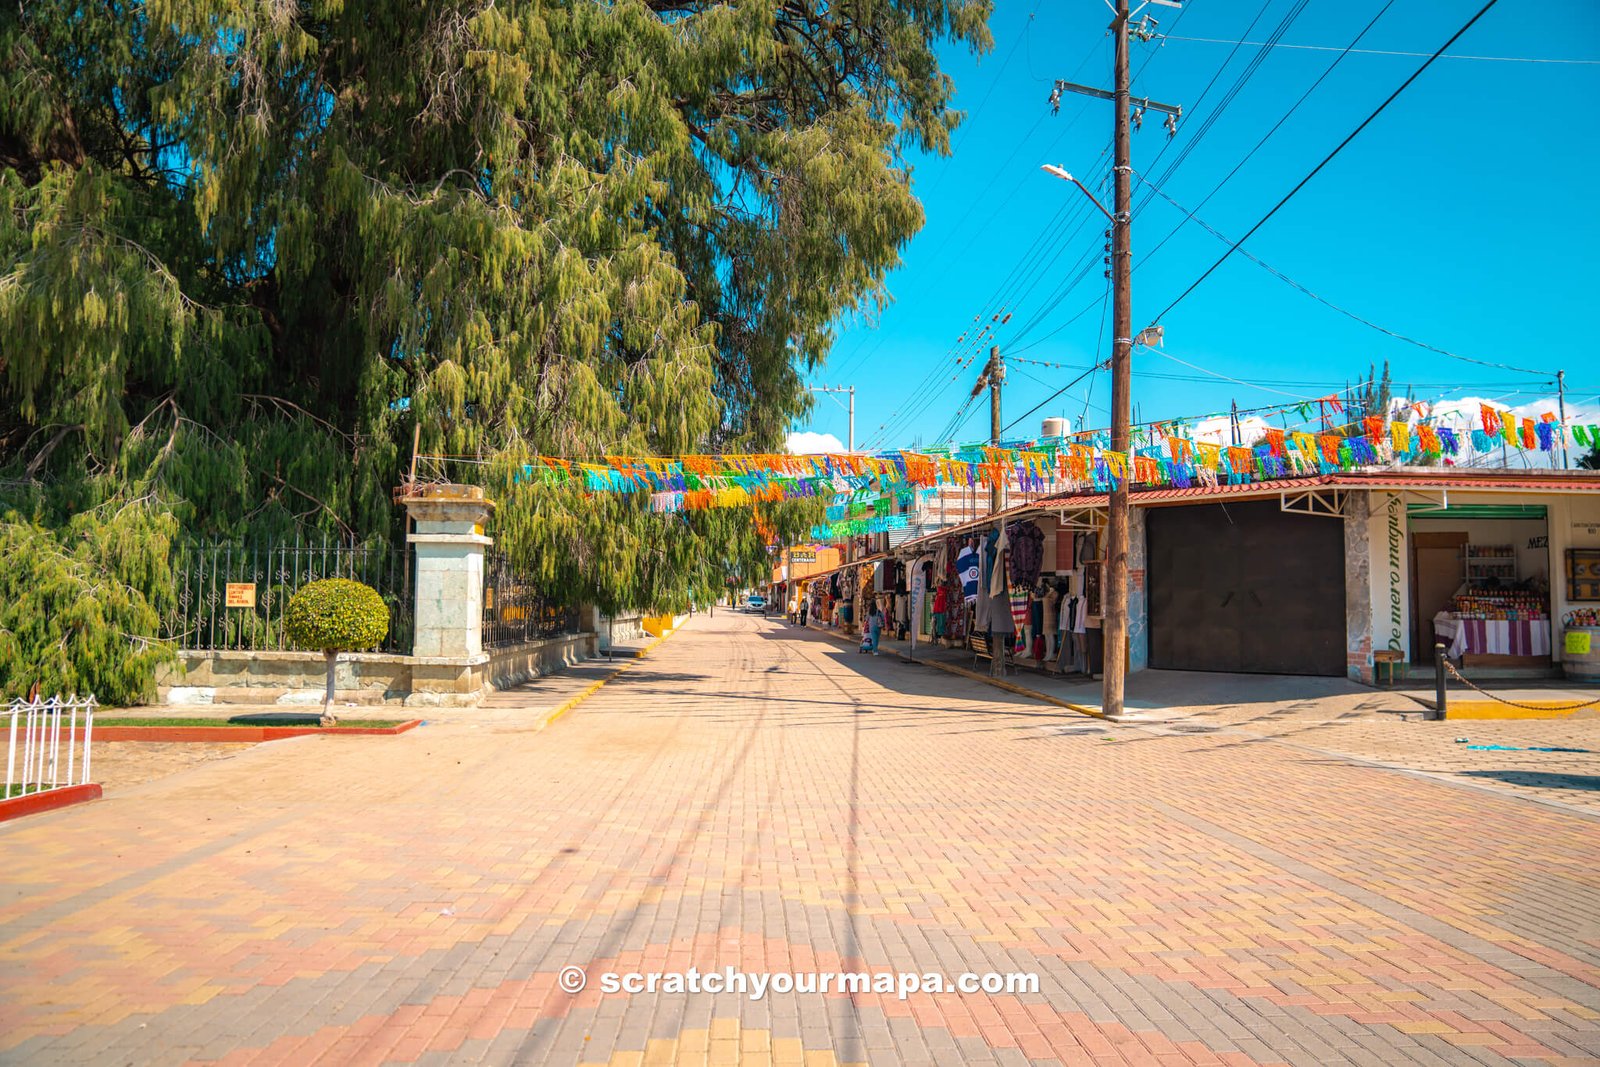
(449,543)
(1358,594)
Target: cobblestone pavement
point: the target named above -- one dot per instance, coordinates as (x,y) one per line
(754,797)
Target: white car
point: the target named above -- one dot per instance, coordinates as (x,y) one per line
(756,603)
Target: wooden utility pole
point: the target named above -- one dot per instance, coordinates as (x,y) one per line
(1114,626)
(995,372)
(1115,620)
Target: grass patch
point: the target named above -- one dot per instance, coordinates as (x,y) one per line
(18,787)
(274,719)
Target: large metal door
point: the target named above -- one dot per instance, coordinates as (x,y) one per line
(1245,587)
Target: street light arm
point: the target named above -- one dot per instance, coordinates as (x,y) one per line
(1060,172)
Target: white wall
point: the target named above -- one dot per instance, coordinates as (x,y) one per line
(1574,523)
(1532,559)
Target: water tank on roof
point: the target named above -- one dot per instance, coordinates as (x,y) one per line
(1056,427)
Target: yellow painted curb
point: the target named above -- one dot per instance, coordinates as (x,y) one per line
(589,690)
(1492,709)
(1010,687)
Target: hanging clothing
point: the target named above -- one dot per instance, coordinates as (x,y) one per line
(984,605)
(967,571)
(1017,597)
(997,568)
(1026,542)
(1051,602)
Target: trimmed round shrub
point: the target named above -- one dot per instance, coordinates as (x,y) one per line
(336,615)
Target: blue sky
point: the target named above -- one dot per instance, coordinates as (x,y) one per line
(1464,216)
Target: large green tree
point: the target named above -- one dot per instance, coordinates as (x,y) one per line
(245,248)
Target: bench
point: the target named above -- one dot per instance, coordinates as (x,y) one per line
(980,647)
(1385,660)
(980,650)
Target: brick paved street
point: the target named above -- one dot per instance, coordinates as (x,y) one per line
(752,796)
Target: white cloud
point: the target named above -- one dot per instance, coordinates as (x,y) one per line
(1218,430)
(806,443)
(1466,409)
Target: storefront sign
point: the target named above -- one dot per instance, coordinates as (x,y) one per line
(1397,613)
(1579,642)
(802,555)
(240,595)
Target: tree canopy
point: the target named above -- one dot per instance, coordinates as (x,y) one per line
(246,248)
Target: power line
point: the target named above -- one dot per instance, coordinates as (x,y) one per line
(1251,67)
(961,134)
(1275,272)
(1328,159)
(1383,52)
(1101,299)
(1275,127)
(1047,399)
(1212,83)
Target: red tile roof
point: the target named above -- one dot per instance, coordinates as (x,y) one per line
(1446,478)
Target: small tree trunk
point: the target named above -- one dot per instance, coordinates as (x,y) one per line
(327,700)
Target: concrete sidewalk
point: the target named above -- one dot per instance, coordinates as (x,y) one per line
(1151,695)
(1552,760)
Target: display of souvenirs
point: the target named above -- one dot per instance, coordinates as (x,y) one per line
(1581,617)
(1511,605)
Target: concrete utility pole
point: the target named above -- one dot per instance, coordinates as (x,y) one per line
(1561,413)
(850,443)
(1115,553)
(995,372)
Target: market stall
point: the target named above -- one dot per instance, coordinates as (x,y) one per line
(1487,622)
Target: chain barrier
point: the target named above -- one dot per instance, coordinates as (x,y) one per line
(1451,667)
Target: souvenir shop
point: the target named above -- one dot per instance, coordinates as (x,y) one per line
(1480,583)
(1027,588)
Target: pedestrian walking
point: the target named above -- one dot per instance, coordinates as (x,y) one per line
(873,630)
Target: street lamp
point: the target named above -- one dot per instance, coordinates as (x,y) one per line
(1061,172)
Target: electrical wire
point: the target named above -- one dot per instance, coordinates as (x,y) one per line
(1275,272)
(1385,52)
(1034,264)
(961,134)
(1275,127)
(1046,400)
(1329,158)
(1194,107)
(1253,65)
(1061,294)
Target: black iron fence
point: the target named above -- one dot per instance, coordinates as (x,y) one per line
(232,596)
(513,610)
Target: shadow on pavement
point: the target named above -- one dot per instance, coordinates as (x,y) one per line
(1147,690)
(1541,779)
